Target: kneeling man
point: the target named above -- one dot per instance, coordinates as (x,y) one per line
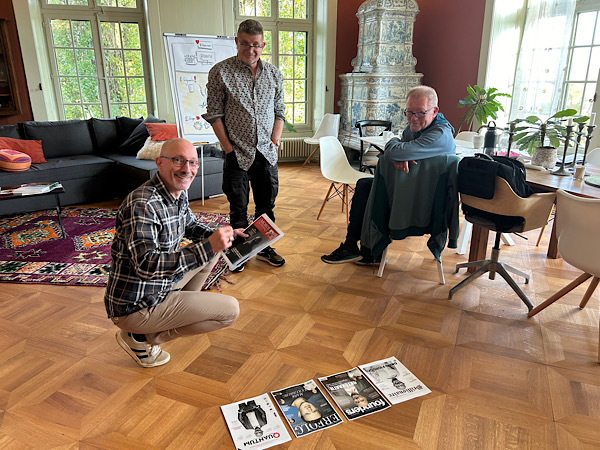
(154,286)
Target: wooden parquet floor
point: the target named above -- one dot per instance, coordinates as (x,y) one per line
(498,379)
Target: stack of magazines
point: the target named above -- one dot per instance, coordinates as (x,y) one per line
(369,388)
(30,188)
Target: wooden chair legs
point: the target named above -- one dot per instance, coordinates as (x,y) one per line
(343,193)
(572,285)
(311,155)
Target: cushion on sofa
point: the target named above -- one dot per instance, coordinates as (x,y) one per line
(105,134)
(150,150)
(136,139)
(11,131)
(127,125)
(33,148)
(162,131)
(14,161)
(61,138)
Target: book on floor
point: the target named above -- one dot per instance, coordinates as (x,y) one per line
(394,380)
(305,408)
(261,233)
(254,423)
(354,394)
(30,188)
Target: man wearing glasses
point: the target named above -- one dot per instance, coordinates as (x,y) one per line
(427,134)
(245,108)
(154,285)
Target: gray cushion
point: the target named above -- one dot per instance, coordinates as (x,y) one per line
(105,134)
(10,131)
(127,125)
(61,169)
(61,138)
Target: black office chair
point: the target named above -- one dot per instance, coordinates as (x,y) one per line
(377,127)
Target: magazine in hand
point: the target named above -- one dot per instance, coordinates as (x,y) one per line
(261,233)
(254,423)
(30,188)
(394,380)
(354,394)
(305,408)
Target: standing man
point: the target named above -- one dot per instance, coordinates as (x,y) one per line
(245,108)
(427,134)
(154,285)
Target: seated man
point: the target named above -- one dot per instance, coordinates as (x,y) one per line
(427,134)
(154,285)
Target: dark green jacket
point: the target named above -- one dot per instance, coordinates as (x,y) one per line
(423,201)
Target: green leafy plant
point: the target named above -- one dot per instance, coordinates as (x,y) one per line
(481,105)
(534,131)
(289,127)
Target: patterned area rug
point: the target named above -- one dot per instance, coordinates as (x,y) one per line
(33,251)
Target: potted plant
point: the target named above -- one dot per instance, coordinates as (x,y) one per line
(481,105)
(534,132)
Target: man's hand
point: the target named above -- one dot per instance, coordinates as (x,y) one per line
(222,237)
(403,165)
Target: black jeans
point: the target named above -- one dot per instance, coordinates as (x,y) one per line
(357,209)
(261,176)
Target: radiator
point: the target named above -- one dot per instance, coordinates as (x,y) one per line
(294,148)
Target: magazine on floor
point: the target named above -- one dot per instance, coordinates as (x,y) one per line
(394,380)
(261,233)
(254,423)
(30,188)
(305,408)
(354,394)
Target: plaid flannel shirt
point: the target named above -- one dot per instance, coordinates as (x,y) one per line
(147,257)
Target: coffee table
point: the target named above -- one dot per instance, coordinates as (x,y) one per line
(56,192)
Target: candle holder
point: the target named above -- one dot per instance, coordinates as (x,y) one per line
(511,134)
(579,133)
(588,138)
(561,171)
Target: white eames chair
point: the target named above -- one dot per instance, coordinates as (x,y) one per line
(336,168)
(329,126)
(577,220)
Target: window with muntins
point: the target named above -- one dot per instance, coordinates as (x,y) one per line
(98,57)
(288,32)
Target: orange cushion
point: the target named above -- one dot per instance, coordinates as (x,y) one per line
(13,161)
(30,147)
(162,131)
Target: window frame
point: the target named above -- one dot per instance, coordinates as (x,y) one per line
(96,15)
(274,24)
(582,7)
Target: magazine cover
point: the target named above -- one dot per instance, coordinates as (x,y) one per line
(254,423)
(305,408)
(261,233)
(394,380)
(354,394)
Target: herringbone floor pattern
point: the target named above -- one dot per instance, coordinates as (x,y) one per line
(498,379)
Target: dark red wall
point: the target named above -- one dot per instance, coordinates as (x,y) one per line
(7,12)
(447,41)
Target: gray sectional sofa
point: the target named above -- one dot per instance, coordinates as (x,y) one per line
(95,160)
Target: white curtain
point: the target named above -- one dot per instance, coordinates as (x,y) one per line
(542,58)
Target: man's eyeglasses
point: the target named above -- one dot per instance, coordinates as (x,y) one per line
(180,162)
(418,115)
(254,46)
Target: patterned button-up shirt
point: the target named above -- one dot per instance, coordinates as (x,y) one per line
(248,106)
(147,257)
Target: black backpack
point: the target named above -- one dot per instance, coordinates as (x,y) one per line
(477,175)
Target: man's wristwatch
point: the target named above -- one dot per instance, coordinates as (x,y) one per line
(275,141)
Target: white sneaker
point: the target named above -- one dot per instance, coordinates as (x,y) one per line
(143,353)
